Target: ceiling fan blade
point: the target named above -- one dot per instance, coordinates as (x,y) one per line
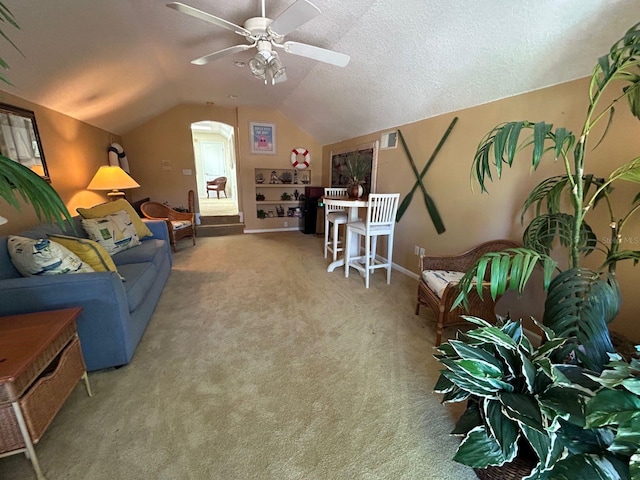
(299,12)
(317,53)
(221,53)
(207,17)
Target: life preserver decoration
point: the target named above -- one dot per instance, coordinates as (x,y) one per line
(306,158)
(117,157)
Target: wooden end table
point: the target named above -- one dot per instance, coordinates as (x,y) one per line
(40,364)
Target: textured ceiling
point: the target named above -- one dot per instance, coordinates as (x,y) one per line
(117,63)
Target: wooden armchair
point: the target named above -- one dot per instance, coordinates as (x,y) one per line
(441,304)
(179,224)
(217,185)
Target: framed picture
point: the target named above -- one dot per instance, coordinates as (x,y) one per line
(339,178)
(262,137)
(20,140)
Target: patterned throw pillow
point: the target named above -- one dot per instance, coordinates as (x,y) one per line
(114,232)
(43,257)
(88,251)
(108,208)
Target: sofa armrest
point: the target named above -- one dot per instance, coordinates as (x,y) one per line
(103,323)
(158,228)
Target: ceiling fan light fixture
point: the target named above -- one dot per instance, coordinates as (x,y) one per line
(275,66)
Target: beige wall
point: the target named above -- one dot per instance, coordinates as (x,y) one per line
(160,149)
(73,151)
(471,217)
(288,137)
(167,138)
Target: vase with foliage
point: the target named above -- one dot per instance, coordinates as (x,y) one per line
(580,303)
(358,166)
(19,182)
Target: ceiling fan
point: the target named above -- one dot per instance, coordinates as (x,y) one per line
(264,33)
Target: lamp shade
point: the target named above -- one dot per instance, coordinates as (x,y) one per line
(112,178)
(3,220)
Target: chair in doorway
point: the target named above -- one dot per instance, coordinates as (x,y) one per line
(180,224)
(217,185)
(381,220)
(333,217)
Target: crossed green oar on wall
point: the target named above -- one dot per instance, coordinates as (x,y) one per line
(431,206)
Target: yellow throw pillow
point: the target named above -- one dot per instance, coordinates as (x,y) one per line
(90,252)
(108,208)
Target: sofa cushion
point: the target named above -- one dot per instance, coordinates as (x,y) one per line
(89,252)
(140,277)
(108,208)
(149,250)
(43,257)
(114,232)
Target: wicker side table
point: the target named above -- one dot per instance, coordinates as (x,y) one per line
(40,364)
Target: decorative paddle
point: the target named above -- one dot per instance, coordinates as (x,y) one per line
(430,204)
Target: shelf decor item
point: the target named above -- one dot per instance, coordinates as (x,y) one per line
(285,197)
(259,197)
(285,177)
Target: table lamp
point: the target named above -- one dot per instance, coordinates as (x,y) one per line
(114,179)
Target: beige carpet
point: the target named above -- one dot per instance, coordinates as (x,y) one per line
(215,207)
(258,364)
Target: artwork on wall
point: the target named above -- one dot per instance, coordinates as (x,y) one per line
(20,140)
(339,178)
(262,137)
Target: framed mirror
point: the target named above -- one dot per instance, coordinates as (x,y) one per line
(20,140)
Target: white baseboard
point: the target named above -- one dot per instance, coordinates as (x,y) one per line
(266,230)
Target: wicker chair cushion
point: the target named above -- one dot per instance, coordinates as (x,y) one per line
(43,257)
(180,224)
(114,232)
(437,280)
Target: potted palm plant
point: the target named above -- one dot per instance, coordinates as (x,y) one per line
(16,180)
(569,439)
(581,302)
(358,167)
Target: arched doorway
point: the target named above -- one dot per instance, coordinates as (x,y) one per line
(215,156)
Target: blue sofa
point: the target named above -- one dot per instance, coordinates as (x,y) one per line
(115,313)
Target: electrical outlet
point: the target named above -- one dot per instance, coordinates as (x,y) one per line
(416,250)
(421,251)
(286,224)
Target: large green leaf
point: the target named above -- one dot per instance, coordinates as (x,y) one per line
(479,450)
(589,467)
(503,429)
(613,407)
(46,202)
(522,408)
(470,419)
(580,304)
(471,352)
(564,402)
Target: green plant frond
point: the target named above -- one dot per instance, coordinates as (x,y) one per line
(500,146)
(544,229)
(579,304)
(630,171)
(613,258)
(46,202)
(548,190)
(633,96)
(509,270)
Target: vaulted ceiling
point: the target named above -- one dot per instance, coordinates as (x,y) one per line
(117,63)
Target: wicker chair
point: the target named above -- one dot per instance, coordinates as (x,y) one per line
(217,185)
(179,224)
(441,306)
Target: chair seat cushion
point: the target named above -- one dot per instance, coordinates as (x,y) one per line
(337,217)
(437,280)
(180,224)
